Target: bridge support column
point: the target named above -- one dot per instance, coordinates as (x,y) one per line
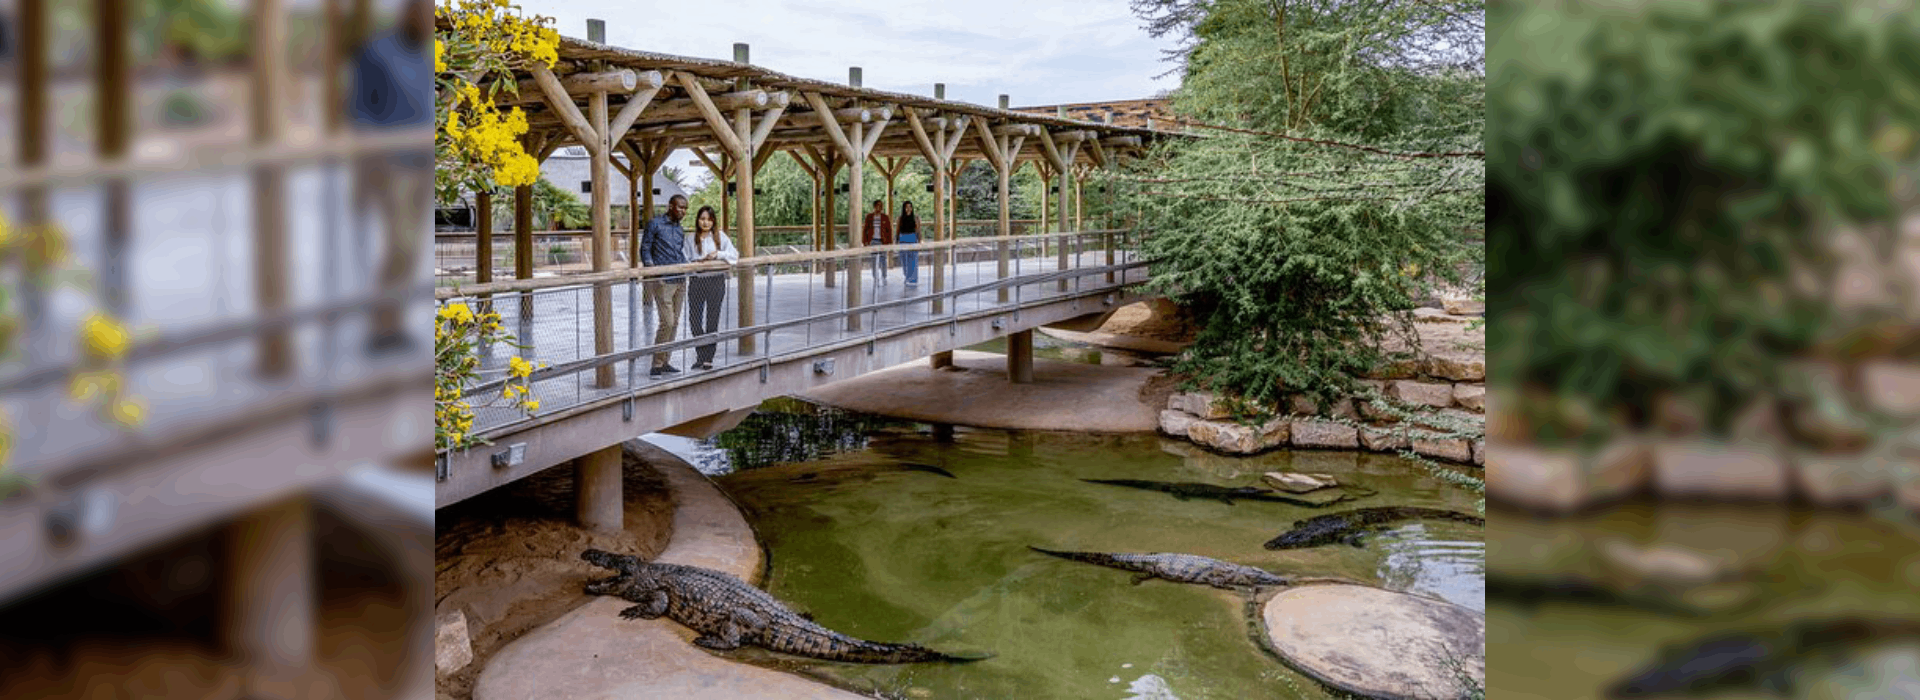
(1020,357)
(598,503)
(942,359)
(270,597)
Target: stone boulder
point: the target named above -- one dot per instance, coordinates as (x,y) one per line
(1202,405)
(452,647)
(1319,434)
(1292,482)
(1458,369)
(1377,643)
(1234,438)
(1461,305)
(1437,395)
(1176,422)
(1841,480)
(1720,471)
(1448,449)
(1383,438)
(1893,387)
(1472,397)
(1556,480)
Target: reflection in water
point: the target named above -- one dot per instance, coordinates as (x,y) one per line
(782,430)
(879,550)
(1584,604)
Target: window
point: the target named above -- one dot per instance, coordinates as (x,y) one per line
(586,187)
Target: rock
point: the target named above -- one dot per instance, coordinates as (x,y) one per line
(1667,563)
(1479,448)
(1235,438)
(1323,434)
(1427,315)
(1472,397)
(1176,422)
(1397,369)
(1422,393)
(1459,370)
(1299,483)
(1841,480)
(1383,438)
(1759,421)
(1463,306)
(1560,480)
(1452,450)
(1717,470)
(1536,479)
(1893,387)
(452,648)
(1302,405)
(1377,643)
(1678,416)
(1203,405)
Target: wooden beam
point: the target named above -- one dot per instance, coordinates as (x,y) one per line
(833,127)
(718,172)
(767,122)
(874,136)
(686,108)
(582,84)
(812,119)
(953,141)
(718,123)
(804,165)
(927,149)
(562,104)
(1052,151)
(989,147)
(636,101)
(1098,154)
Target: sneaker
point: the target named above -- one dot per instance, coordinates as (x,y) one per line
(704,366)
(670,369)
(656,373)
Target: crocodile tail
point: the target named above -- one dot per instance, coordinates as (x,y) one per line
(882,653)
(1088,557)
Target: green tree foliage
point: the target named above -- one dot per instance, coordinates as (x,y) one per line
(1301,259)
(557,208)
(1661,175)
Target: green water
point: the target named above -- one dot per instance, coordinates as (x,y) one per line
(885,553)
(1801,564)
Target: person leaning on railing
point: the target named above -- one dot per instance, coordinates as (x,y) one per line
(665,243)
(909,233)
(393,91)
(707,292)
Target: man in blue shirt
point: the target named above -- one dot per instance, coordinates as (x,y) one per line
(664,243)
(393,87)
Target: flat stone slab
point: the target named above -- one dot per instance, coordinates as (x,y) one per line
(1133,343)
(592,654)
(1375,642)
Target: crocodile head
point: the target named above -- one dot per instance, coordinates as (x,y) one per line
(1311,533)
(1726,662)
(623,563)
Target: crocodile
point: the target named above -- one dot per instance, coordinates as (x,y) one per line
(1530,592)
(1353,526)
(1766,659)
(729,613)
(1187,568)
(928,468)
(1184,490)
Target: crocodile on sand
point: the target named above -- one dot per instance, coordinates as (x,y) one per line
(1187,568)
(1765,659)
(1184,490)
(728,613)
(1353,526)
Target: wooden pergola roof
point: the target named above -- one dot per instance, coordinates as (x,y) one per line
(673,119)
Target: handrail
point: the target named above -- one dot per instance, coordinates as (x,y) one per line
(587,363)
(783,228)
(90,172)
(622,275)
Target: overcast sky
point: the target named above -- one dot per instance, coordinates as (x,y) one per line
(1036,51)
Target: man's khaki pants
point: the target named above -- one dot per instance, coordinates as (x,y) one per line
(668,297)
(403,195)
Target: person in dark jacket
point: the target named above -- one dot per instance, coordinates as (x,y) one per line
(878,230)
(392,91)
(665,243)
(909,233)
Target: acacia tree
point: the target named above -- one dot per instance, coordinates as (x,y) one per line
(1331,191)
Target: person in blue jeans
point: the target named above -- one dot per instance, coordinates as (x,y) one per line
(909,233)
(393,91)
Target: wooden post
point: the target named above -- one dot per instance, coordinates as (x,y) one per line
(831,172)
(636,176)
(268,617)
(599,503)
(646,199)
(483,243)
(268,114)
(855,208)
(1020,357)
(743,123)
(33,135)
(523,252)
(601,152)
(724,174)
(1079,214)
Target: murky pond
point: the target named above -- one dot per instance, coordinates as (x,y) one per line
(1783,564)
(864,532)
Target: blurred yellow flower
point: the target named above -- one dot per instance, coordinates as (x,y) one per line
(128,412)
(518,368)
(103,336)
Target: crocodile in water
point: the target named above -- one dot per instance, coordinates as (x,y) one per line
(1187,568)
(1353,526)
(1184,490)
(1768,659)
(729,613)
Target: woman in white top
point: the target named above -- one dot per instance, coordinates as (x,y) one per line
(707,291)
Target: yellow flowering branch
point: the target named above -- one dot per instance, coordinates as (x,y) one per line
(481,43)
(458,334)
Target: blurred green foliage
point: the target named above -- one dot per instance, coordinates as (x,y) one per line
(1301,260)
(1664,173)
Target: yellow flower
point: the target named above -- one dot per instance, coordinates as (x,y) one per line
(518,368)
(454,438)
(128,412)
(84,387)
(103,336)
(532,405)
(439,56)
(457,312)
(6,234)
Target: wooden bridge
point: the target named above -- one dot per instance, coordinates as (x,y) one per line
(794,320)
